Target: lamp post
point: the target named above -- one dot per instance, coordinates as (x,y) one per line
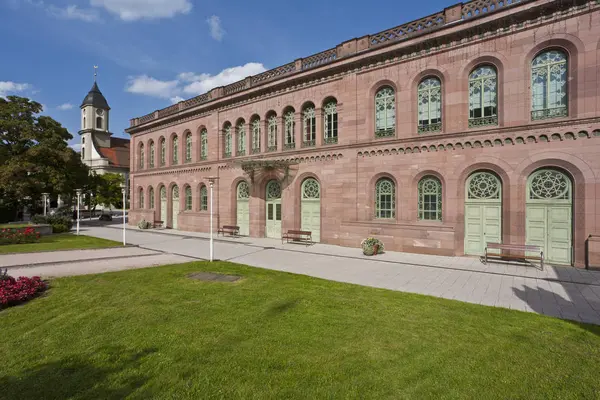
(123,191)
(78,191)
(45,195)
(211,182)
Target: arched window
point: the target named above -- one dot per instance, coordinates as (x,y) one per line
(330,123)
(163,152)
(549,85)
(188,147)
(84,127)
(430,105)
(203,198)
(151,155)
(309,126)
(82,140)
(289,128)
(82,153)
(204,144)
(385,112)
(272,133)
(99,123)
(430,199)
(241,139)
(141,198)
(385,198)
(141,155)
(188,198)
(256,136)
(227,139)
(483,97)
(175,149)
(151,197)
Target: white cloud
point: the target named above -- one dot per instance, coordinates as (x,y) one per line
(64,107)
(8,87)
(216,30)
(76,146)
(189,83)
(132,10)
(73,12)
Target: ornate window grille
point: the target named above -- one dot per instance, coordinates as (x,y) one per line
(290,125)
(151,197)
(142,156)
(163,152)
(256,136)
(273,191)
(430,105)
(385,199)
(483,97)
(204,144)
(483,186)
(309,127)
(243,191)
(175,195)
(175,150)
(163,196)
(311,189)
(188,147)
(227,139)
(430,199)
(385,112)
(330,125)
(142,198)
(549,85)
(241,139)
(549,184)
(151,154)
(188,198)
(272,134)
(203,198)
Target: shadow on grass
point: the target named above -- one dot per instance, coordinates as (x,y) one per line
(109,373)
(282,307)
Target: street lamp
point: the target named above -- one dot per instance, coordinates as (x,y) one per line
(78,191)
(211,182)
(123,191)
(45,195)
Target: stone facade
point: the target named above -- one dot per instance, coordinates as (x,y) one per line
(447,46)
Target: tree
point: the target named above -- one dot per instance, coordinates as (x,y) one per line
(34,155)
(109,190)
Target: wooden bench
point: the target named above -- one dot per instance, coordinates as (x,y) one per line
(231,229)
(157,224)
(297,236)
(521,248)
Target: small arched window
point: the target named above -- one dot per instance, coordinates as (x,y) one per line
(188,147)
(141,155)
(163,152)
(289,129)
(175,145)
(151,197)
(241,138)
(309,126)
(188,198)
(549,85)
(204,144)
(142,198)
(385,112)
(483,97)
(385,199)
(430,199)
(82,153)
(256,136)
(98,122)
(227,139)
(203,198)
(272,133)
(151,155)
(430,105)
(330,123)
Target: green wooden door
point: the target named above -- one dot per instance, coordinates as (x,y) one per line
(163,206)
(483,212)
(310,208)
(175,207)
(273,220)
(243,208)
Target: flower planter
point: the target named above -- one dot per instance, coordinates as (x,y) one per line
(375,249)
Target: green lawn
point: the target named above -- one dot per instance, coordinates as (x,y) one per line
(15,226)
(61,241)
(155,334)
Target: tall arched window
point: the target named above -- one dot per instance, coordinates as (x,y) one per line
(98,122)
(256,136)
(330,123)
(430,105)
(142,198)
(175,149)
(141,155)
(188,198)
(289,128)
(188,147)
(151,155)
(430,199)
(163,152)
(385,198)
(385,112)
(227,139)
(151,197)
(204,144)
(272,133)
(241,138)
(203,198)
(549,85)
(309,126)
(483,97)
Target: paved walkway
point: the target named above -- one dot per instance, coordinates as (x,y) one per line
(562,292)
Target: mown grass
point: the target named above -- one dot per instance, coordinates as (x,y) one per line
(15,226)
(61,241)
(155,334)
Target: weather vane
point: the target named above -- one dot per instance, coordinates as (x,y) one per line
(95,72)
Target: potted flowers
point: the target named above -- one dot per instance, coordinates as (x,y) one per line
(372,246)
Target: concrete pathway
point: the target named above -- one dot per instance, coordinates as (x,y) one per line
(562,292)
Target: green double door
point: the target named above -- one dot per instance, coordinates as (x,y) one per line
(549,226)
(483,224)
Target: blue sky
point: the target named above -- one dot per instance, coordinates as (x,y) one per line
(151,53)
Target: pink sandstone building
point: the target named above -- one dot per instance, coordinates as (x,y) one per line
(480,123)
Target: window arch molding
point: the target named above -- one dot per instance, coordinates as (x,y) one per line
(372,196)
(376,87)
(414,200)
(417,79)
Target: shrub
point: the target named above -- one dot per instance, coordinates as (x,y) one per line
(15,291)
(59,223)
(18,235)
(38,219)
(60,228)
(368,246)
(143,224)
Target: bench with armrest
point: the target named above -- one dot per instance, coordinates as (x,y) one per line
(157,224)
(522,249)
(231,229)
(297,236)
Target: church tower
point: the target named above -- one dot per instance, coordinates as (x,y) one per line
(94,123)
